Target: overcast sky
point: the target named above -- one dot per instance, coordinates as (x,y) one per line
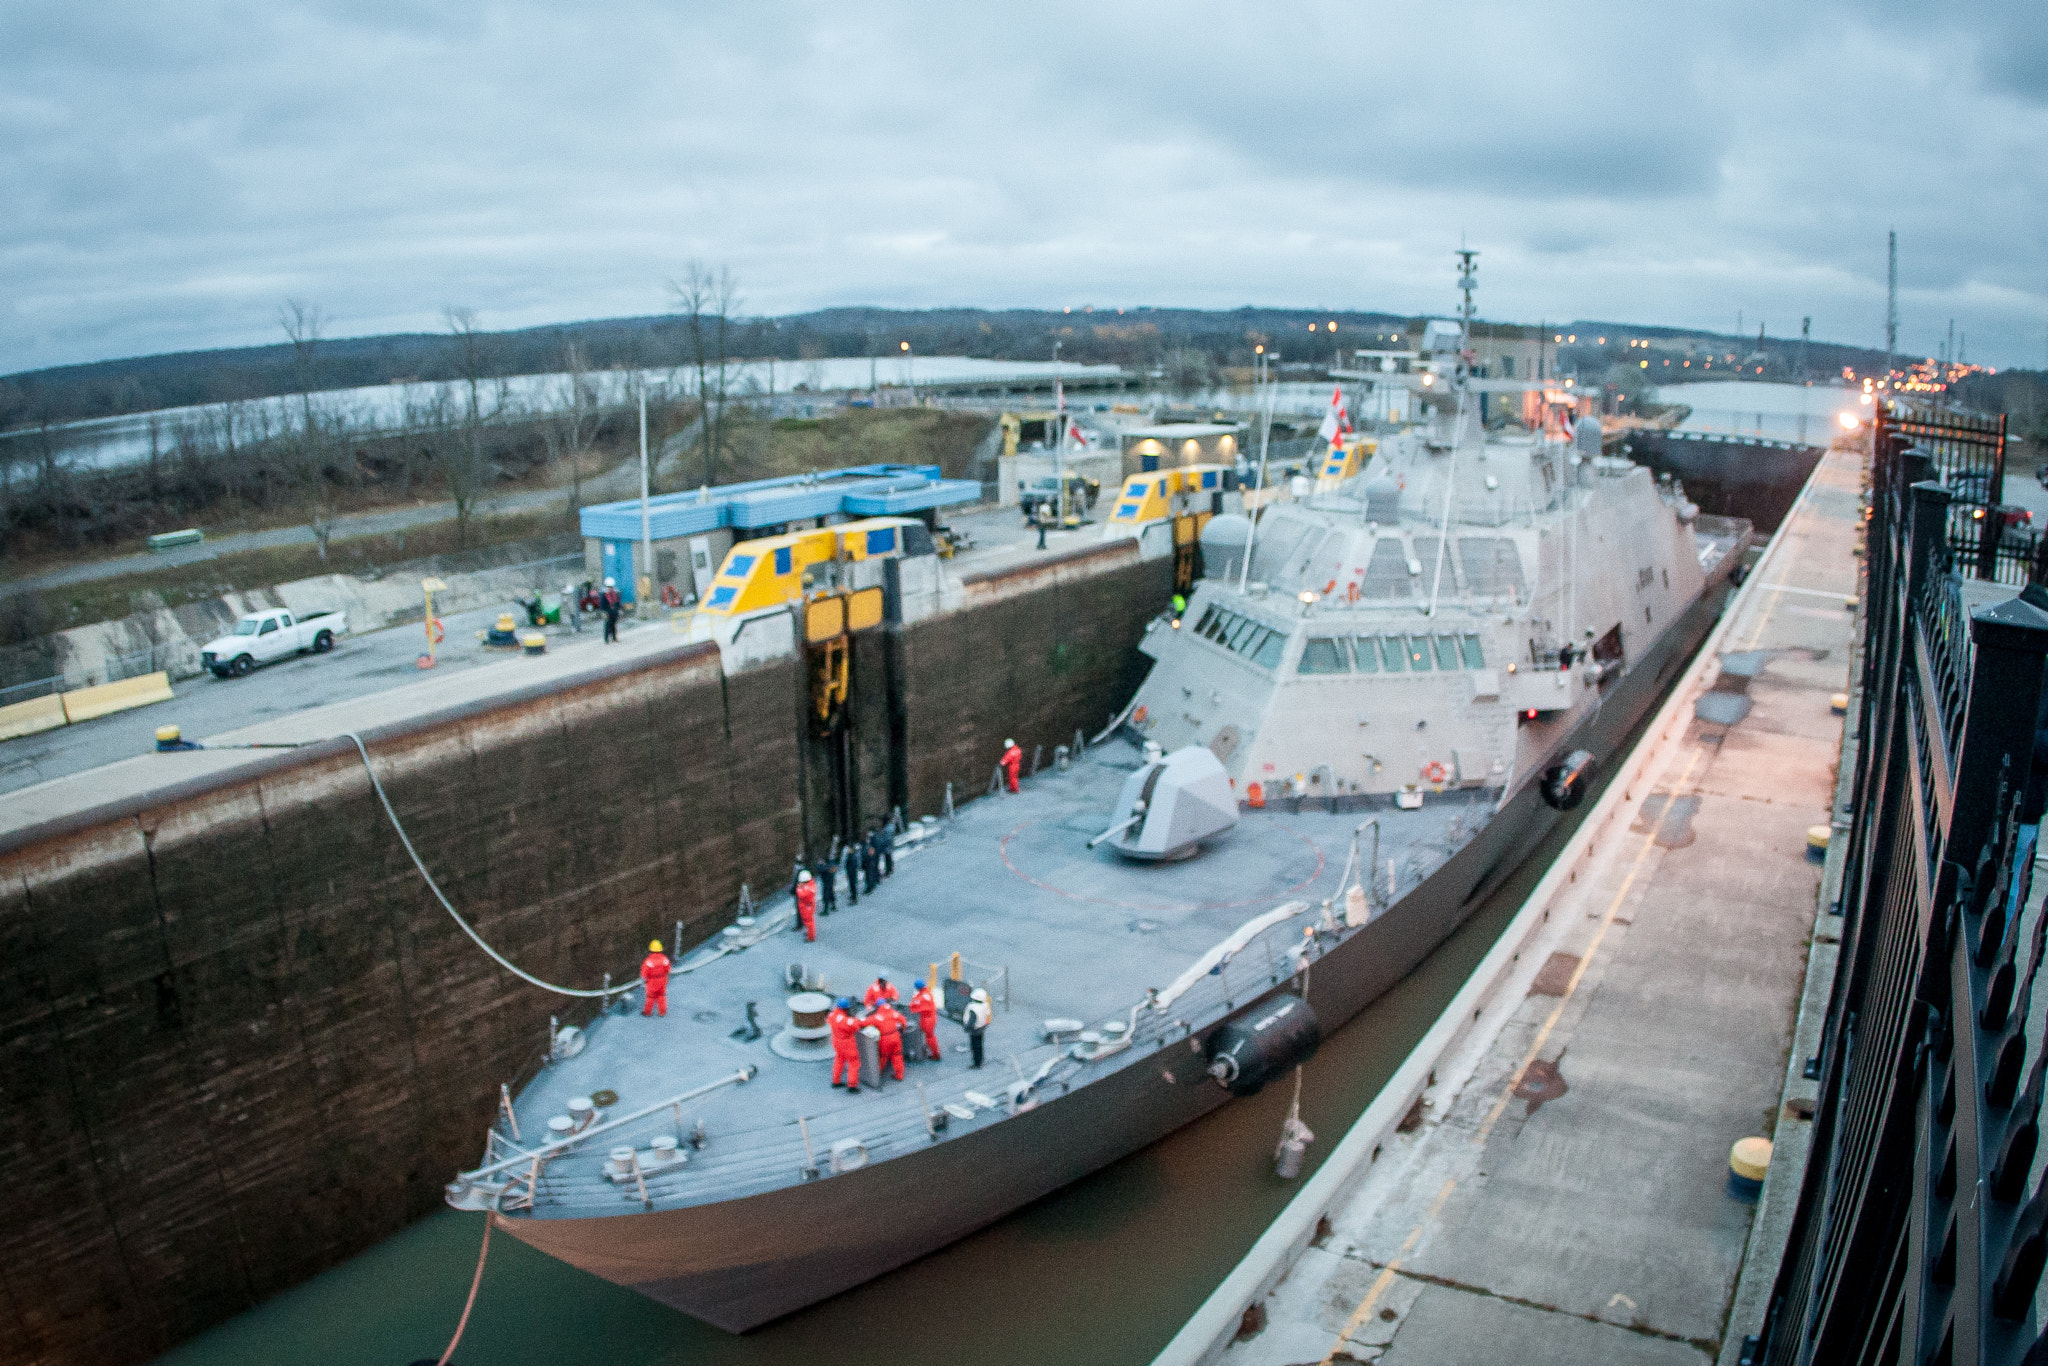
(172,171)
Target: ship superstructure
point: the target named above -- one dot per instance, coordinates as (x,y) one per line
(1374,702)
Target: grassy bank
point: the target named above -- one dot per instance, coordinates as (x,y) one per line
(758,448)
(496,540)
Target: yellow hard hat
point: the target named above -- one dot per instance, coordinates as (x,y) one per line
(654,947)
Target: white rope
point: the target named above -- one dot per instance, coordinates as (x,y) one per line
(447,906)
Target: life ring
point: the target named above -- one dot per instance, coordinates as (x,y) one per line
(436,632)
(1435,772)
(670,597)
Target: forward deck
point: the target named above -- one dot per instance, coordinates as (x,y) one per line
(1011,886)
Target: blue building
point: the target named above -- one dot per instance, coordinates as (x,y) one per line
(691,532)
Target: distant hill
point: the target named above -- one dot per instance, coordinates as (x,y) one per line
(1179,340)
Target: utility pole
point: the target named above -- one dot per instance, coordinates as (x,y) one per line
(646,574)
(1891,305)
(1805,336)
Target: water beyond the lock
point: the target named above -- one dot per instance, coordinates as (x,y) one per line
(1102,1272)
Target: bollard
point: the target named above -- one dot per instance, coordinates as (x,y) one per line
(1748,1162)
(949,802)
(1059,758)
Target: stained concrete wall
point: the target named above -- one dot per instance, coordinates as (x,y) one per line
(240,1042)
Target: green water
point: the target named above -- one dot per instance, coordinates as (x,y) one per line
(1104,1271)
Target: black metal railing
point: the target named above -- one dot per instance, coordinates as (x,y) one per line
(1921,1231)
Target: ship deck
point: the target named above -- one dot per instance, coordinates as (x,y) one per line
(1010,885)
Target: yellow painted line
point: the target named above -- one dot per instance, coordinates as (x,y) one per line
(1386,1277)
(1606,920)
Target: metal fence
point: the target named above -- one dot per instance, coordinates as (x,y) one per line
(1921,1227)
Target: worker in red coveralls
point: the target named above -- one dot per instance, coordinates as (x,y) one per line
(654,976)
(807,904)
(889,1022)
(845,1047)
(1012,760)
(927,1011)
(882,990)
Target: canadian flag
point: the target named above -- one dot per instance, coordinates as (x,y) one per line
(1336,422)
(1074,436)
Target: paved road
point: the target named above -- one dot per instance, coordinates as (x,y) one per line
(360,665)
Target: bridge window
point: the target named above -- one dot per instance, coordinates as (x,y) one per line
(1418,654)
(1394,653)
(1324,655)
(1267,655)
(739,566)
(1368,654)
(1447,653)
(721,597)
(1475,657)
(1126,511)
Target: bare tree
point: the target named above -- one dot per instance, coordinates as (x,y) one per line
(575,424)
(308,447)
(707,299)
(462,461)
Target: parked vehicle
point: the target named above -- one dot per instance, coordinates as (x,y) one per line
(265,637)
(1040,497)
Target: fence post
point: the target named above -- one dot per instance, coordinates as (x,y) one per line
(1993,759)
(1929,537)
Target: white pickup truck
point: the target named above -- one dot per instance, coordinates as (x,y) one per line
(262,637)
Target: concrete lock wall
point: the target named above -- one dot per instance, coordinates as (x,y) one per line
(241,1042)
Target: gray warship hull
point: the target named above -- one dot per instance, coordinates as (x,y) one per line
(741,1262)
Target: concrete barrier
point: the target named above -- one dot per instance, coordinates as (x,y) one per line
(27,718)
(108,698)
(1206,1335)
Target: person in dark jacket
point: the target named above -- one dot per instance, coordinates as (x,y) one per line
(870,863)
(827,877)
(852,862)
(610,604)
(885,848)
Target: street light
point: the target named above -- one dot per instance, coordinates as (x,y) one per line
(909,369)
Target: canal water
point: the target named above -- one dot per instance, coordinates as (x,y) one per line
(1104,1271)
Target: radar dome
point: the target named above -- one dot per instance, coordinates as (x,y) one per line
(1223,542)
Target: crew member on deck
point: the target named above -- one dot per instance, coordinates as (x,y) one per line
(1012,761)
(927,1011)
(807,904)
(852,864)
(654,976)
(882,990)
(889,1022)
(826,874)
(845,1047)
(976,1019)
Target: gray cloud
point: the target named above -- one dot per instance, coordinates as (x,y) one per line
(173,173)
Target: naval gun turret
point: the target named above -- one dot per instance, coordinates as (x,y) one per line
(1168,807)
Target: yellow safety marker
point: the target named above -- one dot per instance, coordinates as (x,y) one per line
(1839,704)
(1817,838)
(1750,1158)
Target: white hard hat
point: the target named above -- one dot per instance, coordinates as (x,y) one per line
(1009,744)
(979,995)
(610,582)
(803,876)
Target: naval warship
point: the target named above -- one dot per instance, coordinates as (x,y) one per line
(1377,700)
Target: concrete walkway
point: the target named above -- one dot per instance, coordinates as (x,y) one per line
(1563,1197)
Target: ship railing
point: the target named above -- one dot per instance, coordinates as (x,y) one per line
(741,1161)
